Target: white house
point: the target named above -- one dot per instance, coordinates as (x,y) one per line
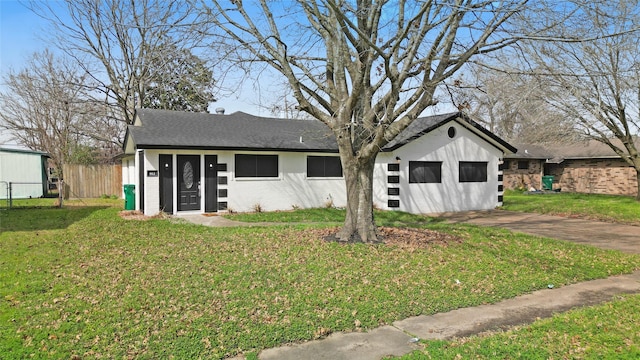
(198,163)
(24,171)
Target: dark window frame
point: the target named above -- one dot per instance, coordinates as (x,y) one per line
(473,171)
(523,165)
(329,169)
(428,175)
(256,166)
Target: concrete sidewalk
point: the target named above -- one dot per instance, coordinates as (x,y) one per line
(401,337)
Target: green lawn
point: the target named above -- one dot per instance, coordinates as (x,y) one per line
(610,208)
(81,281)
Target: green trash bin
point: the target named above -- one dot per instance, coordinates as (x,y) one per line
(129,197)
(547,182)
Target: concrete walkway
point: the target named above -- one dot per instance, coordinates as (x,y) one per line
(401,337)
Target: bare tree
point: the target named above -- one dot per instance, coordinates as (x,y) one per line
(595,79)
(511,105)
(44,107)
(366,69)
(120,42)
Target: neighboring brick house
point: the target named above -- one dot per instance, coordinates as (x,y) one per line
(593,168)
(589,167)
(524,169)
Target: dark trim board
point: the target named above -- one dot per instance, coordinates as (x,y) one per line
(247,149)
(210,183)
(166,183)
(141,179)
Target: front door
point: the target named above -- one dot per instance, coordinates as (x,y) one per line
(188,182)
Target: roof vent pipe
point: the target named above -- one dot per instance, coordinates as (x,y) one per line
(220,111)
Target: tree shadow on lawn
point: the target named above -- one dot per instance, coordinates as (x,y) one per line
(32,219)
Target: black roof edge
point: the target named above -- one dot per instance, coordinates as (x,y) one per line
(420,134)
(168,147)
(126,139)
(456,116)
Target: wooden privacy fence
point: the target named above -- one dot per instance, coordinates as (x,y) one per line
(92,181)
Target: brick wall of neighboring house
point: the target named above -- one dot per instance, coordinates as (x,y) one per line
(595,176)
(515,177)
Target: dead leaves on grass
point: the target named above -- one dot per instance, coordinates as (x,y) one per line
(409,239)
(138,215)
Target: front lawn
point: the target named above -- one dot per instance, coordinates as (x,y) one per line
(81,281)
(331,216)
(609,208)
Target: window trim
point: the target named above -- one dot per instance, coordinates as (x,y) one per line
(255,175)
(485,168)
(413,163)
(324,176)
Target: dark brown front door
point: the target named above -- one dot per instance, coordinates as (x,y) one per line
(188,182)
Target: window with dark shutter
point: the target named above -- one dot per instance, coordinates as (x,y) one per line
(324,166)
(421,172)
(473,171)
(256,165)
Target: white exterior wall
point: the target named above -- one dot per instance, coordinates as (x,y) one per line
(128,172)
(21,168)
(290,189)
(450,194)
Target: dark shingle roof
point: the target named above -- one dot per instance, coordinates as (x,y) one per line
(173,129)
(587,150)
(530,151)
(557,153)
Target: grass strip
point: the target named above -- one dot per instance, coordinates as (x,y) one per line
(608,208)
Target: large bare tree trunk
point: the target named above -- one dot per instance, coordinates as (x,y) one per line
(359,224)
(365,68)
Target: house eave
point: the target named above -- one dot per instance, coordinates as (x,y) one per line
(235,148)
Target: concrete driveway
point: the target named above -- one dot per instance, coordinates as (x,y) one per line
(603,235)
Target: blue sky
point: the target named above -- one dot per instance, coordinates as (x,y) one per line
(19,32)
(22,33)
(19,38)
